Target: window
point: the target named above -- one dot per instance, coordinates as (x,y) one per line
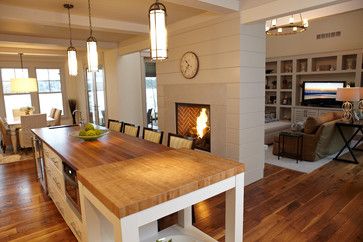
(14,101)
(50,90)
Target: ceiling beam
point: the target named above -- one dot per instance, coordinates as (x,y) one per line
(49,42)
(279,8)
(214,6)
(61,20)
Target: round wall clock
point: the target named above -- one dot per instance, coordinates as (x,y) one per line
(189,65)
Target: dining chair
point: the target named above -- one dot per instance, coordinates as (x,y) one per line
(179,142)
(52,112)
(131,129)
(153,135)
(29,122)
(57,117)
(115,125)
(5,136)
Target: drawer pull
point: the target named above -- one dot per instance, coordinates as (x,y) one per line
(75,229)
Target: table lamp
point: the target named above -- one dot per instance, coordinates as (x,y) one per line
(348,95)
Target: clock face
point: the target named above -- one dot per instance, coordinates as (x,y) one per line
(189,65)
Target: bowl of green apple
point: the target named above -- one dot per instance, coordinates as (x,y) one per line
(90,133)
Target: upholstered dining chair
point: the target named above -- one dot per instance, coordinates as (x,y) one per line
(115,125)
(52,112)
(179,142)
(57,117)
(5,136)
(29,122)
(131,129)
(153,135)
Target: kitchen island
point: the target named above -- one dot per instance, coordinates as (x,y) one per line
(120,186)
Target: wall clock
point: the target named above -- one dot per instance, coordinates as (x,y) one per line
(189,65)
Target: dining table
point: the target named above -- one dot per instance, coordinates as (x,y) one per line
(14,123)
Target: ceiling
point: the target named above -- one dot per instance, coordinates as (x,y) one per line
(22,19)
(124,10)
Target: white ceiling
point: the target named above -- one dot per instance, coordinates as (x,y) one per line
(113,20)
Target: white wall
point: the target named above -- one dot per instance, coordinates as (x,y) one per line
(350,25)
(124,86)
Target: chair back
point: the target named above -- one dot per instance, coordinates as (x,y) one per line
(4,137)
(153,135)
(115,125)
(148,116)
(57,117)
(29,122)
(179,142)
(131,129)
(52,112)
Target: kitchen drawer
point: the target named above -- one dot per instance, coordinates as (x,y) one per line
(55,176)
(52,156)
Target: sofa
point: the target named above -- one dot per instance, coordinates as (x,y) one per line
(274,128)
(321,138)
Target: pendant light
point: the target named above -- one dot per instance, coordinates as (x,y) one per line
(23,85)
(92,55)
(158,31)
(72,53)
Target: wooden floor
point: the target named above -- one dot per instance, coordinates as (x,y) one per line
(326,205)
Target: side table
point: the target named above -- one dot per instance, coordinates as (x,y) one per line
(298,137)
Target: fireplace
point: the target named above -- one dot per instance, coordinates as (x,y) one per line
(193,120)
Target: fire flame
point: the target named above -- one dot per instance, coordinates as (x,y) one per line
(202,122)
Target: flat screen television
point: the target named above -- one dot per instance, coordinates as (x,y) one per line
(321,93)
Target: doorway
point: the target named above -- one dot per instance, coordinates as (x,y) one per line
(96,97)
(151,95)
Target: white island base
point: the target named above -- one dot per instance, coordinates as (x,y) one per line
(100,224)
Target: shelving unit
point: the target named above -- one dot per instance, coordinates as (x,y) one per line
(285,75)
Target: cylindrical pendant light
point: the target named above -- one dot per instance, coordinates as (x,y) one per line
(72,52)
(92,54)
(23,84)
(158,31)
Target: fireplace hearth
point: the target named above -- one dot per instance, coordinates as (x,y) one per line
(193,120)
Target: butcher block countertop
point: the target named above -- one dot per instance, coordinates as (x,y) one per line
(79,154)
(133,185)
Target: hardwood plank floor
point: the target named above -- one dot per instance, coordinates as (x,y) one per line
(326,205)
(26,213)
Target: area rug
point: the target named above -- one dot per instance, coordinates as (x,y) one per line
(302,166)
(10,158)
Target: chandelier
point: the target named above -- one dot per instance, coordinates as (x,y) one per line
(291,28)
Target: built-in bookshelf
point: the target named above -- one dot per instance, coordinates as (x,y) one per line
(285,76)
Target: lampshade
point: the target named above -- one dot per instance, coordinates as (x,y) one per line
(349,94)
(72,61)
(24,85)
(158,31)
(92,54)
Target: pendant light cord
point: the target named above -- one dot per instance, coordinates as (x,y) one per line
(89,16)
(70,28)
(21,60)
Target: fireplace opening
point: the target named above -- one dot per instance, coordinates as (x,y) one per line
(193,120)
